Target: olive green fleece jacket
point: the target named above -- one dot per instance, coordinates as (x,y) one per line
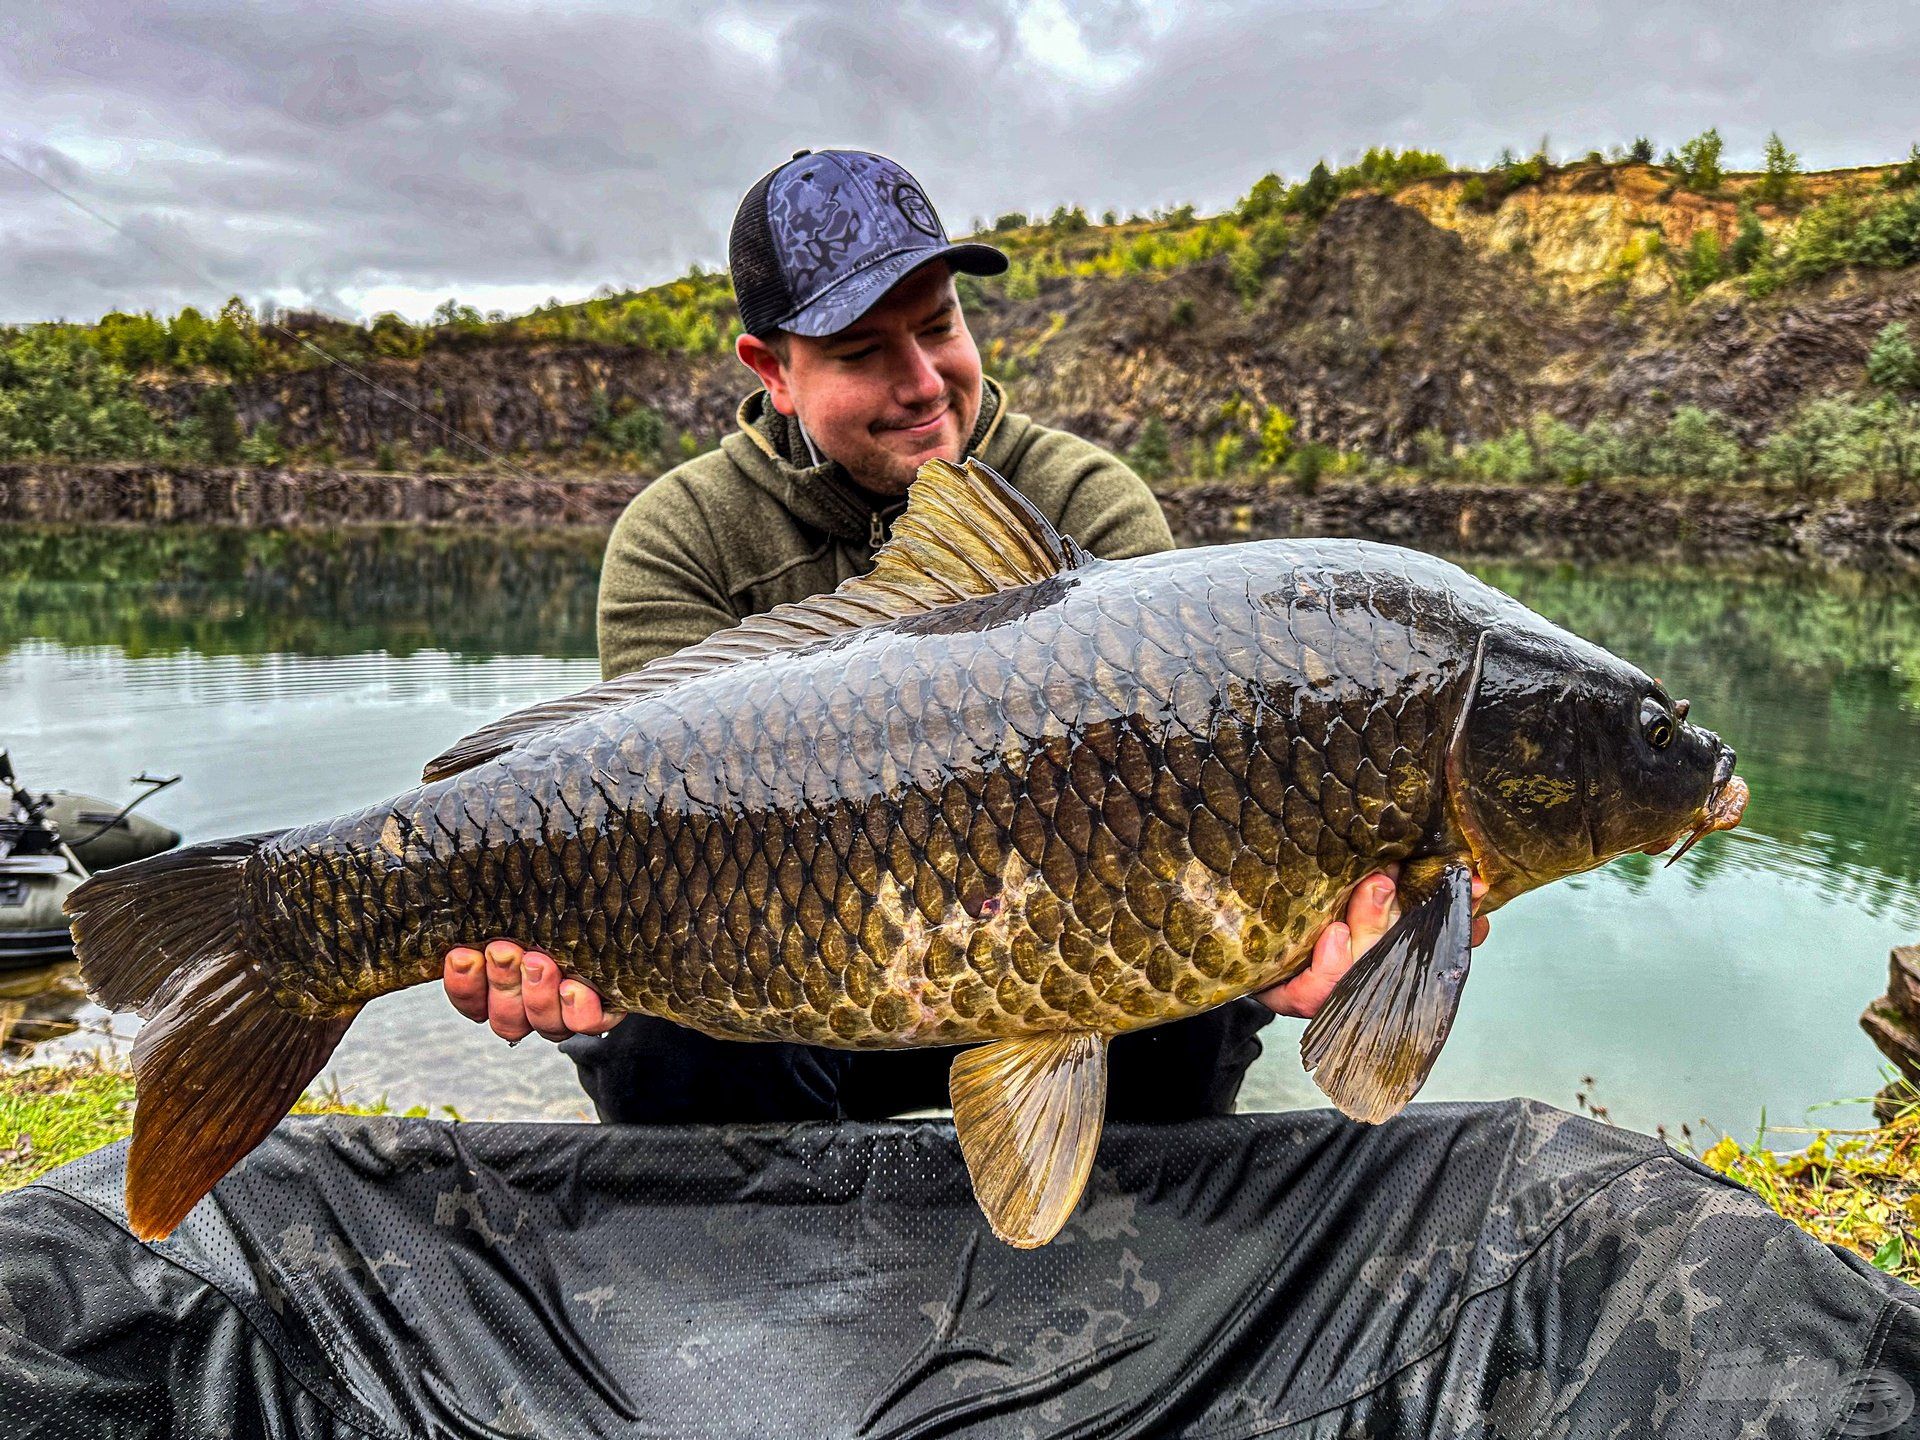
(744,528)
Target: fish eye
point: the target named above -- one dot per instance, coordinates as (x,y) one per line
(1656,724)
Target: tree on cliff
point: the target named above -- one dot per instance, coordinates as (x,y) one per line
(1776,185)
(1699,161)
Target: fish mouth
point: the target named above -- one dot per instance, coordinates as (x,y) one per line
(1726,803)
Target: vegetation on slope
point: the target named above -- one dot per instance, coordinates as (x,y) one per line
(1682,230)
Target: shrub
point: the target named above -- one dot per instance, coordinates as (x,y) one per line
(1697,443)
(386,456)
(1703,265)
(1433,453)
(218,423)
(1505,459)
(1776,184)
(1253,258)
(1308,462)
(391,335)
(59,397)
(1749,242)
(1827,441)
(1561,452)
(641,431)
(262,447)
(1699,162)
(1891,362)
(1316,195)
(1152,453)
(1276,437)
(1641,150)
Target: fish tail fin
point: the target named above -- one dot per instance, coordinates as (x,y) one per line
(218,1063)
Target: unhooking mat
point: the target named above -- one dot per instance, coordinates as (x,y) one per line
(1465,1270)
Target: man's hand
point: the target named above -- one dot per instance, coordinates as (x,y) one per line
(520,993)
(1371,911)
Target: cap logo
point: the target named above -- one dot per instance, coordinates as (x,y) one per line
(913,205)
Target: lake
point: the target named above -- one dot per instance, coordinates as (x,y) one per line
(288,677)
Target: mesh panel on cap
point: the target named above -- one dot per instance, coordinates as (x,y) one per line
(759,286)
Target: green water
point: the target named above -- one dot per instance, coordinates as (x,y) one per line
(289,677)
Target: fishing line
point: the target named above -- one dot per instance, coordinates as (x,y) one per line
(194,272)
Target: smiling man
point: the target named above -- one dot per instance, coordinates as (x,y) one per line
(844,278)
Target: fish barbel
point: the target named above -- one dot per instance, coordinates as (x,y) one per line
(994,793)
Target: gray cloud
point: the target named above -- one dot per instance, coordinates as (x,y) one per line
(326,152)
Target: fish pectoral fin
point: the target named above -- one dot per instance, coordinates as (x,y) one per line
(1373,1044)
(1028,1114)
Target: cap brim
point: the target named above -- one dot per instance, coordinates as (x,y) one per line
(840,306)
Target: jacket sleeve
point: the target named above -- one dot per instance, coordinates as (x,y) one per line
(1104,505)
(661,587)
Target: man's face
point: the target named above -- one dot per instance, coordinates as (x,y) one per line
(897,388)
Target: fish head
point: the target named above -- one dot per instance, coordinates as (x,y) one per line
(1566,756)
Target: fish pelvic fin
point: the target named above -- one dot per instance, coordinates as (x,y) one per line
(1374,1042)
(1028,1113)
(966,533)
(218,1063)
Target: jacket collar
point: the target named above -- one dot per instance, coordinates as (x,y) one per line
(768,447)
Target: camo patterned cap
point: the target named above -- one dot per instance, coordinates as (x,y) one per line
(819,240)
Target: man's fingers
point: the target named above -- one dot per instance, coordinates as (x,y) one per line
(580,1005)
(506,1007)
(540,994)
(465,978)
(1372,911)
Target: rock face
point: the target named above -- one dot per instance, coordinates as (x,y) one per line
(1395,315)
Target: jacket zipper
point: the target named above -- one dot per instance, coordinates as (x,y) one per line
(877,531)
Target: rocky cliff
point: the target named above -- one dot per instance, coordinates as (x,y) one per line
(1428,308)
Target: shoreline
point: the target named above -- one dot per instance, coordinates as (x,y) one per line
(1608,520)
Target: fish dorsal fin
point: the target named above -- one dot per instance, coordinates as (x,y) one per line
(965,533)
(1028,1114)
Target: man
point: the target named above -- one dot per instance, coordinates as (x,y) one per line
(844,279)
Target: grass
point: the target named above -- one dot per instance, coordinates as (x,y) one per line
(1859,1189)
(1854,1188)
(50,1114)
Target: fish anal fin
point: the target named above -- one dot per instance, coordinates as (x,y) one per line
(1028,1114)
(1375,1041)
(965,533)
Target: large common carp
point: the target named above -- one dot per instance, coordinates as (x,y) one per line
(993,791)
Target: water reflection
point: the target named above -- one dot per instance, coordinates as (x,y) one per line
(245,592)
(1814,680)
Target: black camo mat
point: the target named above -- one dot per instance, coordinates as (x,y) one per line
(1466,1270)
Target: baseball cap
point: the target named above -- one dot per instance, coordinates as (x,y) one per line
(817,241)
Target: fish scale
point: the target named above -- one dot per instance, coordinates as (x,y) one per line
(1152,843)
(994,792)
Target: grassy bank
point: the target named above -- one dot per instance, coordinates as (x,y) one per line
(1854,1188)
(1859,1189)
(50,1114)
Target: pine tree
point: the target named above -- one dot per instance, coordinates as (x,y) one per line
(1782,165)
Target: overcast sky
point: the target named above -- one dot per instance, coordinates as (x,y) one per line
(361,155)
